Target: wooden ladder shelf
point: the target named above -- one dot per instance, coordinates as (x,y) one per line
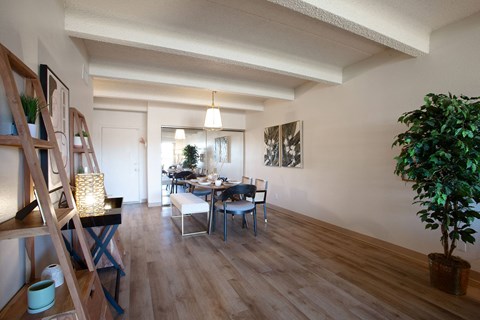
(82,292)
(78,125)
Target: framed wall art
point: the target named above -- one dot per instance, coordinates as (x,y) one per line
(222,150)
(58,101)
(291,144)
(271,154)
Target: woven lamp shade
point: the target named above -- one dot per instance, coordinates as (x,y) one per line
(90,194)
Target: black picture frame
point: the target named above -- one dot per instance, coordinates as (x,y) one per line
(57,96)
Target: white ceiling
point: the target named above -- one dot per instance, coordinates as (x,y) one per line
(178,51)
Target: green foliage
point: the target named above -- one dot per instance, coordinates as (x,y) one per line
(84,133)
(31,107)
(441,154)
(190,153)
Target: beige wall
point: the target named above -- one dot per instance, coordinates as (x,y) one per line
(33,30)
(348,177)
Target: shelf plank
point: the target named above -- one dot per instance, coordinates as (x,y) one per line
(64,216)
(80,150)
(14,141)
(32,225)
(17,306)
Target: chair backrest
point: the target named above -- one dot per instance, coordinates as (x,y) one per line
(242,190)
(246,180)
(182,174)
(191,176)
(261,195)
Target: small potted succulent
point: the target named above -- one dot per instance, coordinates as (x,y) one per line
(77,140)
(440,154)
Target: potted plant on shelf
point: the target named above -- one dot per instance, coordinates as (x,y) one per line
(190,152)
(440,153)
(77,141)
(31,108)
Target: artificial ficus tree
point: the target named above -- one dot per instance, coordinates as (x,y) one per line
(440,153)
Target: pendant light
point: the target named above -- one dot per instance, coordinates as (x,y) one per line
(179,134)
(213,119)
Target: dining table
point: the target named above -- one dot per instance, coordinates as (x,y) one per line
(213,189)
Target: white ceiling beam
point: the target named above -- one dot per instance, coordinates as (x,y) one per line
(362,19)
(121,91)
(105,69)
(105,29)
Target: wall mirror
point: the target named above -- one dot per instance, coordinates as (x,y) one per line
(220,152)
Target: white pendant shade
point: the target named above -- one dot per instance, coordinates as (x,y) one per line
(179,134)
(213,119)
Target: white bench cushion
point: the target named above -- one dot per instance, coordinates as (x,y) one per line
(188,203)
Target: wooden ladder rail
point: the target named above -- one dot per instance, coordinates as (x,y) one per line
(9,63)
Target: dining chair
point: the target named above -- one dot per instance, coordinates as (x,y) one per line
(166,180)
(198,191)
(179,180)
(228,205)
(261,195)
(246,180)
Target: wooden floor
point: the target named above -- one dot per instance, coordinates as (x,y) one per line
(295,268)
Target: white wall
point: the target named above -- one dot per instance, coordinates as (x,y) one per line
(34,31)
(348,177)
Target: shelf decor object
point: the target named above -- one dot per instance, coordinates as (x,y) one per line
(90,194)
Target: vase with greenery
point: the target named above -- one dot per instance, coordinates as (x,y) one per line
(77,141)
(440,154)
(190,153)
(31,108)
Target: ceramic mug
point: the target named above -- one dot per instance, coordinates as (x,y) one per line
(218,182)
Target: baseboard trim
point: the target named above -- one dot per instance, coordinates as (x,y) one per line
(404,252)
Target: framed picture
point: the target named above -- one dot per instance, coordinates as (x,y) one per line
(291,144)
(58,101)
(271,154)
(222,150)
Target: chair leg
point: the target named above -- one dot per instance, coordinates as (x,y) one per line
(255,221)
(265,212)
(225,226)
(214,218)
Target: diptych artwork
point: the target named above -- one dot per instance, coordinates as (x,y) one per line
(292,144)
(283,145)
(271,155)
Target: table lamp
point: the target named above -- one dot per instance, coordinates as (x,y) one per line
(90,194)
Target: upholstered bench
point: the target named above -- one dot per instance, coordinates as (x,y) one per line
(188,204)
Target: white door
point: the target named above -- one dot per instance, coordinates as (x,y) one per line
(120,163)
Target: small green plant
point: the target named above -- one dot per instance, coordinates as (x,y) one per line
(190,153)
(31,107)
(84,133)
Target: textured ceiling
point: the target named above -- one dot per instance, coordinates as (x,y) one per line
(177,51)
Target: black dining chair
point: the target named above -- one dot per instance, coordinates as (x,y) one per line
(198,191)
(179,180)
(229,204)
